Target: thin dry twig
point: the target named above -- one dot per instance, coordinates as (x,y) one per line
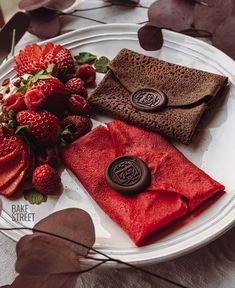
(98,252)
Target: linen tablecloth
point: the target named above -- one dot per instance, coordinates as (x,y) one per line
(211,267)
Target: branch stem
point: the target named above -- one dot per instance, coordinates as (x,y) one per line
(98,252)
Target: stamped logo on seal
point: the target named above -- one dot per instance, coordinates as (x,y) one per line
(126,172)
(128,175)
(147,99)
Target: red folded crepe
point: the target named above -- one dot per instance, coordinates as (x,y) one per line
(177,186)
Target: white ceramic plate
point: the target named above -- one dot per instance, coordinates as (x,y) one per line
(213,150)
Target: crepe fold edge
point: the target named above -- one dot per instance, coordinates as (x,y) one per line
(183,86)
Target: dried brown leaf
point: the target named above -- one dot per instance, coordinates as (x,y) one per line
(150,37)
(19,22)
(209,17)
(73,223)
(44,23)
(176,15)
(44,255)
(224,36)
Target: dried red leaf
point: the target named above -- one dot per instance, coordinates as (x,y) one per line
(43,255)
(45,23)
(176,15)
(48,281)
(224,36)
(73,223)
(150,37)
(209,17)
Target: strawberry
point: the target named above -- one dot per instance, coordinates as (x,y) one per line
(34,99)
(17,82)
(77,125)
(76,86)
(56,97)
(87,73)
(9,142)
(5,82)
(46,179)
(14,161)
(58,55)
(78,105)
(34,58)
(14,102)
(44,127)
(28,60)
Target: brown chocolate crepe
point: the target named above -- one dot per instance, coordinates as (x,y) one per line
(189,92)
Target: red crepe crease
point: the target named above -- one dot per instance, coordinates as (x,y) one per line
(177,187)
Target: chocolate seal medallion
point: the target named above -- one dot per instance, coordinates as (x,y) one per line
(128,175)
(149,100)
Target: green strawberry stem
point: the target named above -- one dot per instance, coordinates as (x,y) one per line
(66,137)
(21,130)
(12,120)
(41,75)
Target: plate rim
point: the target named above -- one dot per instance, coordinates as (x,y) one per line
(206,51)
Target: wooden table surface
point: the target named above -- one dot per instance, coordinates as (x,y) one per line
(211,267)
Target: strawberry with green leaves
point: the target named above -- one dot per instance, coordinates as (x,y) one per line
(78,125)
(59,56)
(44,91)
(34,58)
(53,90)
(42,126)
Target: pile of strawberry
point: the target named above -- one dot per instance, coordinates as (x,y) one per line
(48,110)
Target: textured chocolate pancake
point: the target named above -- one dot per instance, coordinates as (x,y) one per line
(189,92)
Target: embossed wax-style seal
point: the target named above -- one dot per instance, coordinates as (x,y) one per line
(149,100)
(128,175)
